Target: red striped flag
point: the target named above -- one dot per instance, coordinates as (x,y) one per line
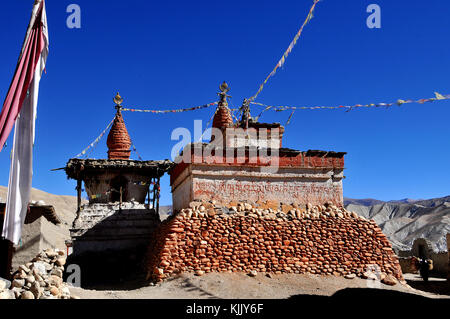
(20,108)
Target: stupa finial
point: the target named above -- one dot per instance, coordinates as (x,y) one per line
(118,101)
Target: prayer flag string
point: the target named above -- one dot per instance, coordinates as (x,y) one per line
(171,111)
(438,97)
(96,140)
(288,51)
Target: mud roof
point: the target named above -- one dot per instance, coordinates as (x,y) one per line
(76,167)
(37,211)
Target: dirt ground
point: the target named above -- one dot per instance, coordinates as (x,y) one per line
(241,286)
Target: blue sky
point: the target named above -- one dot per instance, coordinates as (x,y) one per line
(165,54)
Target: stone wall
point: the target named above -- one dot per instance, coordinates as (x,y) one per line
(30,245)
(321,240)
(104,234)
(101,227)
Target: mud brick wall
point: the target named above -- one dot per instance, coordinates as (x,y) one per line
(337,244)
(226,183)
(289,176)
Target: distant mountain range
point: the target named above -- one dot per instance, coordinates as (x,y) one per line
(371,201)
(402,221)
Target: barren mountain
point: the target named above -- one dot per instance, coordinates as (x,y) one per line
(405,220)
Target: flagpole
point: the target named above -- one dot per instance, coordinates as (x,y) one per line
(22,100)
(6,246)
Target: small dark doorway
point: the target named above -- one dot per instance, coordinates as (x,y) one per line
(422,253)
(119,184)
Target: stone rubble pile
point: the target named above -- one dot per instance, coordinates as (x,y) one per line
(113,206)
(269,210)
(42,278)
(324,239)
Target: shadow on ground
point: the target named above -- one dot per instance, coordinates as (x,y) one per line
(186,284)
(111,270)
(434,285)
(368,295)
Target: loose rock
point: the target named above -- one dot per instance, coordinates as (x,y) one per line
(27,295)
(389,280)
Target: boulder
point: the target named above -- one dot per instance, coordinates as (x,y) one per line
(27,295)
(61,261)
(18,283)
(30,279)
(39,268)
(36,290)
(24,269)
(51,253)
(55,291)
(389,280)
(55,281)
(57,272)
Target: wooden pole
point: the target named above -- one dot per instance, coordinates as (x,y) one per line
(79,187)
(148,195)
(154,194)
(120,203)
(157,197)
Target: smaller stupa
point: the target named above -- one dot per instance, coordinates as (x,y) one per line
(123,197)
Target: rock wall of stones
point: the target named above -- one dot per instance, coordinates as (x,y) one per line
(323,240)
(42,278)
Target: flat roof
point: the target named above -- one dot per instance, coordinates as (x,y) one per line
(76,167)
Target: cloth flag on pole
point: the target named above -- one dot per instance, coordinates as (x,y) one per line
(20,108)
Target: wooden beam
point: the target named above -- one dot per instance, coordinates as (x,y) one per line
(157,196)
(79,187)
(120,202)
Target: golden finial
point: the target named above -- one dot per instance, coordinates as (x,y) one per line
(224,88)
(118,100)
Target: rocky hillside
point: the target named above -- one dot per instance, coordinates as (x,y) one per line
(405,220)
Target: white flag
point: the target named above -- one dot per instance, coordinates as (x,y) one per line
(33,58)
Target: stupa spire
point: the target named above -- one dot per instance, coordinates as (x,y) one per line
(118,141)
(222,118)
